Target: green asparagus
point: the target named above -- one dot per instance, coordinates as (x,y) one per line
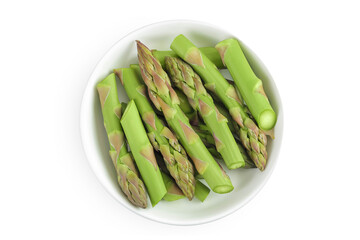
(234,128)
(186,108)
(250,86)
(204,132)
(173,191)
(250,135)
(210,52)
(205,135)
(161,137)
(201,191)
(165,99)
(190,83)
(143,153)
(248,162)
(127,174)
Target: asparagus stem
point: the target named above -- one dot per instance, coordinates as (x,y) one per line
(248,162)
(214,56)
(190,83)
(210,52)
(165,99)
(271,132)
(143,153)
(198,176)
(127,174)
(184,103)
(234,128)
(173,191)
(251,137)
(201,191)
(186,108)
(250,86)
(161,137)
(205,135)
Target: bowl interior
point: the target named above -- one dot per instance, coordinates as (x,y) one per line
(183,212)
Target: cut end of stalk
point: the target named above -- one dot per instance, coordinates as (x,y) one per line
(267,119)
(236,165)
(223,189)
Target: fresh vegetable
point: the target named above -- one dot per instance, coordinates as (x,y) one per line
(210,52)
(173,191)
(205,134)
(251,137)
(201,191)
(250,86)
(190,83)
(161,137)
(127,174)
(143,153)
(165,99)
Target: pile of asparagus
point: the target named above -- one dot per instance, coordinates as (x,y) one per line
(182,108)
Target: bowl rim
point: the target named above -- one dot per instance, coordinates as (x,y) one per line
(83,133)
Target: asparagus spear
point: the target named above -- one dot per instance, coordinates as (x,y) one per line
(270,132)
(232,124)
(186,108)
(161,137)
(204,132)
(250,135)
(173,191)
(250,86)
(210,52)
(165,99)
(201,191)
(248,162)
(205,135)
(190,83)
(127,175)
(143,153)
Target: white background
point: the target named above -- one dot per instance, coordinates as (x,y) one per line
(48,50)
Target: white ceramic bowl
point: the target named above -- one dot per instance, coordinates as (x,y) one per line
(247,183)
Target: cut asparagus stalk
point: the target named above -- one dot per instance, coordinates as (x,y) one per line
(127,174)
(271,132)
(210,52)
(205,135)
(173,191)
(143,153)
(165,99)
(190,83)
(201,191)
(161,137)
(250,86)
(186,108)
(234,128)
(251,137)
